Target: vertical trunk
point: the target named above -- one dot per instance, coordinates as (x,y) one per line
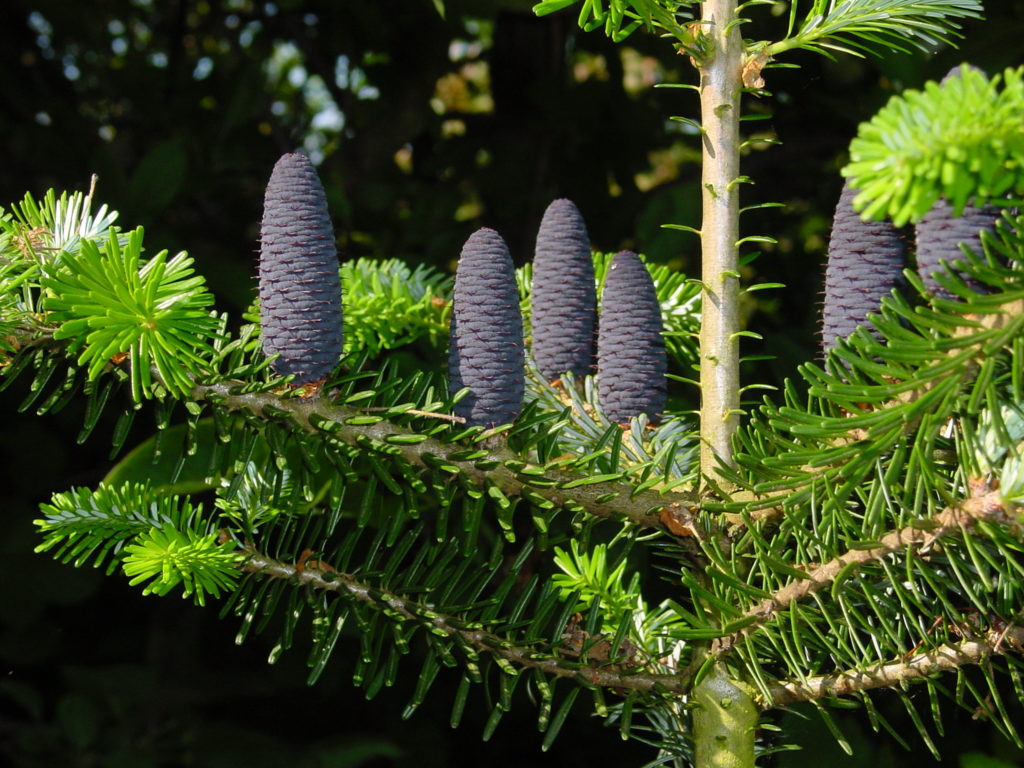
(724,723)
(720,83)
(725,717)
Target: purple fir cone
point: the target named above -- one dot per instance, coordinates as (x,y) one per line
(486,343)
(940,235)
(564,300)
(865,262)
(300,287)
(631,359)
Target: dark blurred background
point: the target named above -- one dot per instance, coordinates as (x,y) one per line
(424,128)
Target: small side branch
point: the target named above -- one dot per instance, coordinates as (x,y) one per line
(523,656)
(985,505)
(607,499)
(888,675)
(973,333)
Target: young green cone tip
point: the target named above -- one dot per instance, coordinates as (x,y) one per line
(865,262)
(563,304)
(485,352)
(300,286)
(631,360)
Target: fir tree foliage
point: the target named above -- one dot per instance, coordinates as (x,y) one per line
(867,26)
(159,540)
(94,287)
(664,450)
(620,18)
(397,520)
(824,26)
(34,233)
(110,306)
(906,550)
(40,230)
(968,155)
(389,304)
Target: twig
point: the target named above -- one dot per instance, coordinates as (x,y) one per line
(525,656)
(425,414)
(946,657)
(606,499)
(984,505)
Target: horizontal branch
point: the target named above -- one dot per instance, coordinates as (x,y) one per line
(984,505)
(505,468)
(524,656)
(891,674)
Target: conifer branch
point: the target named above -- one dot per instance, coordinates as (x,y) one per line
(640,508)
(984,504)
(999,640)
(604,499)
(870,26)
(526,656)
(32,334)
(971,333)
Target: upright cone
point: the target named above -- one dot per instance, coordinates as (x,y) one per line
(486,343)
(631,359)
(563,296)
(865,262)
(300,287)
(939,237)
